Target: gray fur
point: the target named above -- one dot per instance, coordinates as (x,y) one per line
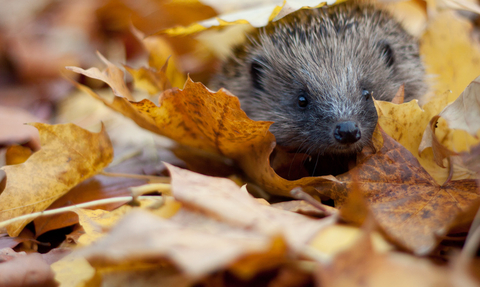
(330,55)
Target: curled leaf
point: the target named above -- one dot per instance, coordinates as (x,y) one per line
(440,152)
(464,112)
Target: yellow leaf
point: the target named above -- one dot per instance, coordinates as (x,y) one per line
(97,222)
(159,52)
(17,154)
(406,123)
(336,238)
(68,156)
(450,53)
(73,271)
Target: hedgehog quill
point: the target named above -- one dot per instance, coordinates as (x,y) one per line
(314,73)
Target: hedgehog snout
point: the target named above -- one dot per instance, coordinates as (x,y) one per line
(347,132)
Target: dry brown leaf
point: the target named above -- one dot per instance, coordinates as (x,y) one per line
(13,128)
(360,265)
(26,270)
(220,226)
(141,236)
(464,112)
(112,76)
(226,201)
(404,199)
(69,155)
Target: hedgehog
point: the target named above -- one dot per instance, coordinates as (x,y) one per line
(315,72)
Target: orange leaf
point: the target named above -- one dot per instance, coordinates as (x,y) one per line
(403,198)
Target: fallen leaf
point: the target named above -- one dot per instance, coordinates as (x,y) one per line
(213,125)
(72,270)
(95,188)
(448,36)
(26,270)
(162,62)
(399,96)
(141,236)
(404,199)
(112,76)
(361,265)
(224,199)
(412,15)
(337,238)
(17,154)
(11,242)
(407,122)
(97,222)
(13,128)
(69,155)
(464,112)
(257,15)
(429,140)
(472,160)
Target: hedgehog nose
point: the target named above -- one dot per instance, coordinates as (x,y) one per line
(347,132)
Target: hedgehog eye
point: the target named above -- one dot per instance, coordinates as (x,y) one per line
(366,94)
(302,101)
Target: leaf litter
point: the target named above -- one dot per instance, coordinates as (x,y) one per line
(395,204)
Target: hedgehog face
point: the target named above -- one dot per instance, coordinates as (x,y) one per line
(314,73)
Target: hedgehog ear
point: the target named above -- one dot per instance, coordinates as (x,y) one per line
(387,52)
(256,71)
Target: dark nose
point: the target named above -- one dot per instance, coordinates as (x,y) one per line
(347,132)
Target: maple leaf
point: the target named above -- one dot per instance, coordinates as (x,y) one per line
(214,123)
(69,155)
(404,199)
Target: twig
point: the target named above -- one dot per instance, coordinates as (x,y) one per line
(164,188)
(298,193)
(70,208)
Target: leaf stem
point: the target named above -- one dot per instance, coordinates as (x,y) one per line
(164,188)
(160,179)
(298,193)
